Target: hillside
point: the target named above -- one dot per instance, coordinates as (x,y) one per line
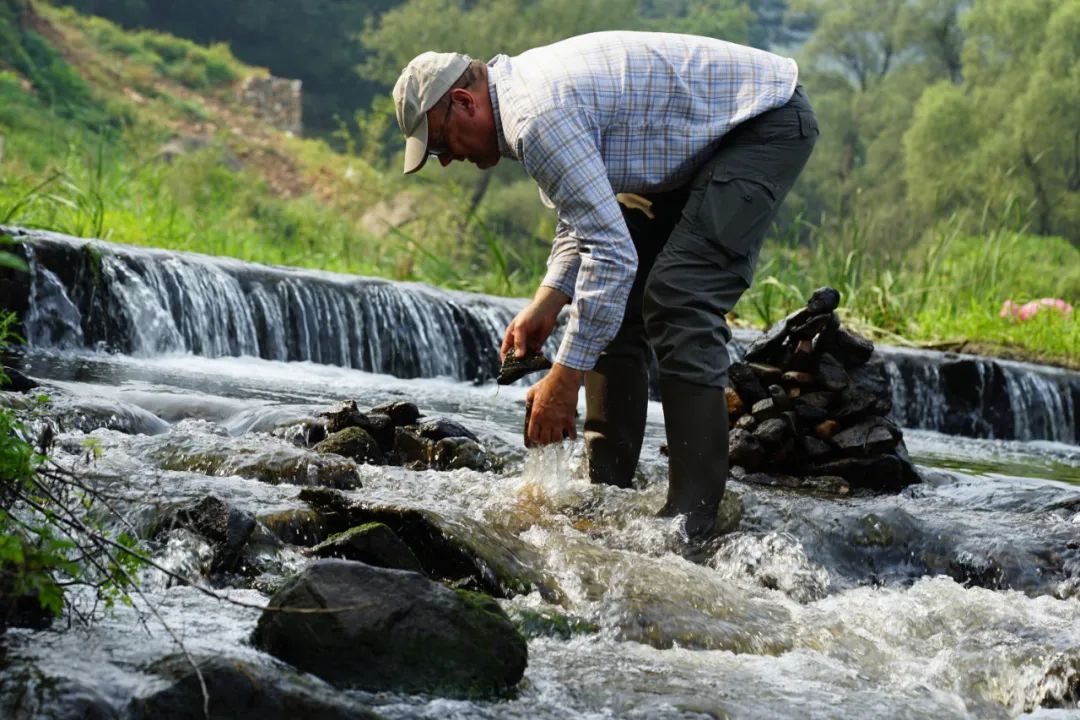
(144,138)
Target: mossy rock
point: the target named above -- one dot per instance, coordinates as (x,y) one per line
(549,622)
(352,442)
(371,543)
(393,631)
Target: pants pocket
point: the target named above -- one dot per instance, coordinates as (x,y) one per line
(736,210)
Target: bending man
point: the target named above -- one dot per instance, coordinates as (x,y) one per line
(713,135)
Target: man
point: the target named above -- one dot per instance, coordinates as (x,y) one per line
(713,135)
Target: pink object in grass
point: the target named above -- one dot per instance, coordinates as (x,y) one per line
(1020,313)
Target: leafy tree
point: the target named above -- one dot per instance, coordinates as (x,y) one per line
(1007,137)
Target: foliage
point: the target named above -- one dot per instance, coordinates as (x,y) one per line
(47,539)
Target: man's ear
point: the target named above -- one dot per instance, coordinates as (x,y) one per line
(463,98)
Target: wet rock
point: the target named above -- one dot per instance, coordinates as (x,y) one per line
(773,433)
(745,449)
(380,426)
(372,543)
(814,449)
(400,413)
(851,349)
(735,404)
(240,456)
(459,550)
(239,689)
(826,429)
(745,382)
(798,379)
(305,434)
(514,368)
(454,453)
(811,326)
(227,529)
(400,633)
(412,449)
(779,397)
(823,300)
(870,379)
(766,409)
(13,380)
(870,437)
(346,415)
(872,530)
(803,357)
(441,428)
(28,693)
(352,442)
(729,514)
(881,472)
(831,374)
(766,374)
(300,526)
(549,622)
(464,552)
(746,422)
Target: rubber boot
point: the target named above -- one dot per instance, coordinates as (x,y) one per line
(696,421)
(616,403)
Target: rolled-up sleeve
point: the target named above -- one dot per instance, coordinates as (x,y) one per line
(563,157)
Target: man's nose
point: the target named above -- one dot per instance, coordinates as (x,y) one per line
(445,159)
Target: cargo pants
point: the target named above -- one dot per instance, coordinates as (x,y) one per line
(695,260)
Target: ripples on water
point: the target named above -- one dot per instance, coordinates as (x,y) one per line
(956,598)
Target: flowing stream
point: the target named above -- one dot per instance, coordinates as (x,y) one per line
(956,598)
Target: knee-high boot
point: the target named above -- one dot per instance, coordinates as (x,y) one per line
(696,421)
(616,402)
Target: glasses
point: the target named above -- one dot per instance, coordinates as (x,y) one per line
(439,147)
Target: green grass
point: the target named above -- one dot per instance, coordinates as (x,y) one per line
(947,291)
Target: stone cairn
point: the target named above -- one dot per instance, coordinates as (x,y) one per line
(809,410)
(392,434)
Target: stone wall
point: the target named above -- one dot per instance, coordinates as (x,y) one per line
(274,100)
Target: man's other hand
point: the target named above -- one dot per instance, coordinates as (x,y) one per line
(554,406)
(532,326)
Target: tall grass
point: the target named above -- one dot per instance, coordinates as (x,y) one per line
(946,291)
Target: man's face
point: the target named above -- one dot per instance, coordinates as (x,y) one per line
(463,130)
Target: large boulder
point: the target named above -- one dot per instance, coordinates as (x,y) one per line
(392,630)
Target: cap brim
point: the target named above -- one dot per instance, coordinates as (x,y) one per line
(416,147)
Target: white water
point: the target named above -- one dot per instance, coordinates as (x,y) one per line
(798,614)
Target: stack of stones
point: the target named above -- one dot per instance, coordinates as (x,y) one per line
(809,410)
(394,434)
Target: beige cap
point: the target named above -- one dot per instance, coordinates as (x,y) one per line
(423,81)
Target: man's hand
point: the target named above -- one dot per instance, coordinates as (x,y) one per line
(553,403)
(531,327)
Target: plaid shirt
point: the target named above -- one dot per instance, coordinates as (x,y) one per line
(619,112)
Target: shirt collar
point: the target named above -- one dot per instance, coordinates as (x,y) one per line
(496,67)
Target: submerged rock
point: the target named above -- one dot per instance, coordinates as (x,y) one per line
(393,631)
(458,550)
(227,528)
(373,543)
(239,689)
(352,442)
(211,455)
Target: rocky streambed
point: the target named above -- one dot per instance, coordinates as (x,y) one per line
(475,579)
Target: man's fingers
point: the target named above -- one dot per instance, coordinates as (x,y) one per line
(520,337)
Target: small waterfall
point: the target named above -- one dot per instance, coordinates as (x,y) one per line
(52,319)
(144,302)
(981,397)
